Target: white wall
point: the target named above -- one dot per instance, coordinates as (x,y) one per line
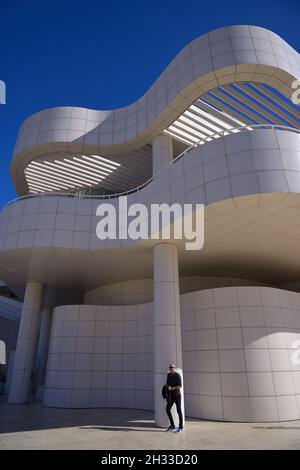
(122,293)
(100,357)
(237,354)
(141,290)
(237,165)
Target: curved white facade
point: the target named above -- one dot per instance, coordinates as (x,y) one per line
(238,355)
(218,128)
(227,55)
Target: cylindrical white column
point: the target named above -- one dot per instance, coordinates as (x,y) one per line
(9,371)
(167,327)
(162,152)
(42,349)
(26,344)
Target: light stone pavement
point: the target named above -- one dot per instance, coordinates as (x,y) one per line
(34,426)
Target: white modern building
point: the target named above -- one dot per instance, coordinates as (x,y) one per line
(102,320)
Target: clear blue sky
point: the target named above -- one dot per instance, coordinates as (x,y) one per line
(105,54)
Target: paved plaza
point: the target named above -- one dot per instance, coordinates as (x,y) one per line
(34,426)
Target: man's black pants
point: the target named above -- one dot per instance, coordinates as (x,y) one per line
(177,400)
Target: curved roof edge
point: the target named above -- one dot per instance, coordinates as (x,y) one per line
(225,55)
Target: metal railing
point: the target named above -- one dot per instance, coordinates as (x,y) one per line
(246,128)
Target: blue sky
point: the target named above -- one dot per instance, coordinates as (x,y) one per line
(105,54)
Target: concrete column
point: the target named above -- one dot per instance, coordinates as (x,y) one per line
(26,344)
(167,327)
(42,349)
(162,152)
(9,371)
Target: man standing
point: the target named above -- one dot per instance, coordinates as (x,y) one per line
(174,384)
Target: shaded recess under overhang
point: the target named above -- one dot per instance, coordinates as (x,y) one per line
(249,237)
